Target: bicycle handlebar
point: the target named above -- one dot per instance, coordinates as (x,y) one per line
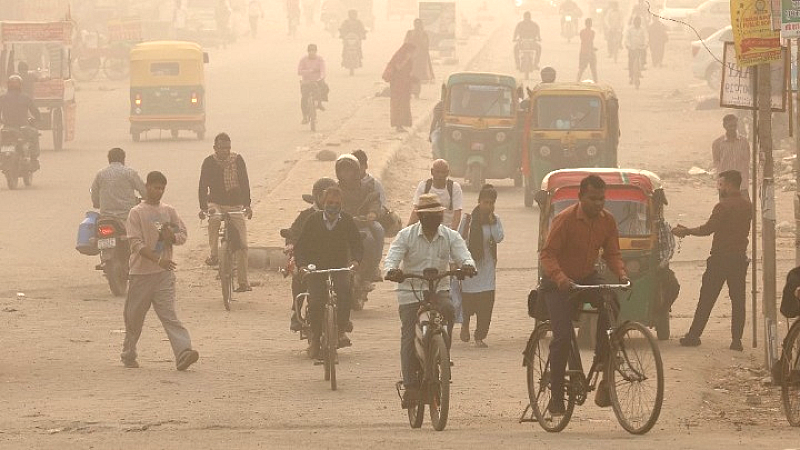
(312,270)
(586,287)
(438,277)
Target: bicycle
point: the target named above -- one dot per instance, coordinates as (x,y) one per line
(624,368)
(329,340)
(226,252)
(311,89)
(430,342)
(790,375)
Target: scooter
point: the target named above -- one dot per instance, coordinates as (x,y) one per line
(15,160)
(112,243)
(351,52)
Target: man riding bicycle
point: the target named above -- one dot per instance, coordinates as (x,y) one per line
(329,240)
(312,75)
(425,244)
(573,245)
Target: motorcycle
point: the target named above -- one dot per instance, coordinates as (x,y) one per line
(527,49)
(15,160)
(112,242)
(351,52)
(568,27)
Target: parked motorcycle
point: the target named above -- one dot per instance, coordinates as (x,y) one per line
(15,159)
(115,252)
(351,52)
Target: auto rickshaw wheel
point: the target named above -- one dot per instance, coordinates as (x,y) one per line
(58,129)
(475,176)
(201,135)
(12,179)
(27,179)
(136,136)
(518,180)
(174,133)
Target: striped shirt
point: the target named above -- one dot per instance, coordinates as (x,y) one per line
(113,190)
(732,154)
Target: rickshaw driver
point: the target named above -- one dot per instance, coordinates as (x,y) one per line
(312,72)
(15,107)
(568,257)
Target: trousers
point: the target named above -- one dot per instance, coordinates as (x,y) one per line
(318,297)
(409,362)
(481,305)
(236,221)
(158,290)
(721,269)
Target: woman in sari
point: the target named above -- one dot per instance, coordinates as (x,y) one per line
(398,75)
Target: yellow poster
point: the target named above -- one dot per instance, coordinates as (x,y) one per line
(755,40)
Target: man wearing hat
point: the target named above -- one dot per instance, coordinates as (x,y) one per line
(425,244)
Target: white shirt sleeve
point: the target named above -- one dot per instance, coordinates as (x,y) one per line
(458,197)
(420,190)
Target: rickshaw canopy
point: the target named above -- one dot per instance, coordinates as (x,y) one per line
(573,87)
(172,63)
(643,179)
(480,100)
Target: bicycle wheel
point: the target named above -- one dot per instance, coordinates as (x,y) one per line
(416,413)
(635,375)
(538,370)
(332,342)
(312,112)
(439,382)
(225,277)
(790,388)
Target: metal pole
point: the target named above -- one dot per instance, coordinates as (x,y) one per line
(754,225)
(769,308)
(796,166)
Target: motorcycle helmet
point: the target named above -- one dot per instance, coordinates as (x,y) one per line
(318,189)
(345,161)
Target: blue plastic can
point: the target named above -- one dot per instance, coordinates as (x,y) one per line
(87,234)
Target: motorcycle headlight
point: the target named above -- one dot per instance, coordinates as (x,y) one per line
(544,151)
(456,135)
(591,151)
(500,136)
(568,19)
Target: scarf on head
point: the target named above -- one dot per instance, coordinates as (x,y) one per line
(475,238)
(230,174)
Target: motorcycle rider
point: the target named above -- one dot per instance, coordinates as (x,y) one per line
(372,184)
(363,203)
(312,72)
(329,240)
(315,198)
(352,25)
(529,30)
(114,188)
(569,8)
(16,108)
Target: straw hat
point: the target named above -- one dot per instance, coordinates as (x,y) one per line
(429,203)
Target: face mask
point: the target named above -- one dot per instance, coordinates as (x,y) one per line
(333,210)
(431,221)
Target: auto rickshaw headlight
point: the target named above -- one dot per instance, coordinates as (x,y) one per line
(500,136)
(138,100)
(633,267)
(544,151)
(591,151)
(456,135)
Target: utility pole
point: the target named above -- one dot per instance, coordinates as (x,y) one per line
(769,308)
(796,165)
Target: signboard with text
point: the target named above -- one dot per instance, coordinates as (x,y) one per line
(738,89)
(756,41)
(790,19)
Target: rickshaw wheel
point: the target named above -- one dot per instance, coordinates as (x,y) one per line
(518,180)
(201,135)
(136,136)
(174,133)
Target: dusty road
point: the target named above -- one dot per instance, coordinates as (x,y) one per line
(63,386)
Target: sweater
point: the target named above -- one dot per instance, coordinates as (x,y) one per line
(328,249)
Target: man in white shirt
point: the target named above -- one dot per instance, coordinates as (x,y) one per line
(449,192)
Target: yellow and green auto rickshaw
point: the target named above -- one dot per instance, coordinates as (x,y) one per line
(636,199)
(168,88)
(568,125)
(479,136)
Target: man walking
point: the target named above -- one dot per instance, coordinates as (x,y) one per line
(588,55)
(730,224)
(448,191)
(153,228)
(731,151)
(225,187)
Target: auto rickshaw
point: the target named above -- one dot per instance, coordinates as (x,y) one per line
(167,88)
(568,125)
(636,200)
(479,136)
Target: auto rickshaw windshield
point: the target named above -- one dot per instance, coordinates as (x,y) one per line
(632,216)
(575,112)
(481,100)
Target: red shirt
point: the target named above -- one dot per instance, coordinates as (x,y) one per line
(574,242)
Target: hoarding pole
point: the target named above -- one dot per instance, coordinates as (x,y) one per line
(796,165)
(769,309)
(754,225)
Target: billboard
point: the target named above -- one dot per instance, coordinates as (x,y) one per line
(738,87)
(756,41)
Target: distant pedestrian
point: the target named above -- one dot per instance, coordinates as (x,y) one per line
(482,231)
(588,53)
(657,33)
(222,15)
(153,228)
(423,68)
(449,192)
(255,13)
(731,151)
(730,225)
(398,75)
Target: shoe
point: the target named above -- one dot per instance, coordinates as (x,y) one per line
(602,398)
(480,344)
(320,107)
(688,341)
(400,129)
(556,407)
(349,327)
(344,341)
(313,350)
(35,165)
(187,358)
(304,121)
(243,288)
(737,345)
(410,398)
(295,324)
(377,277)
(212,261)
(130,364)
(464,332)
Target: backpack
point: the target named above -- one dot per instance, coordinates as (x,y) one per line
(429,185)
